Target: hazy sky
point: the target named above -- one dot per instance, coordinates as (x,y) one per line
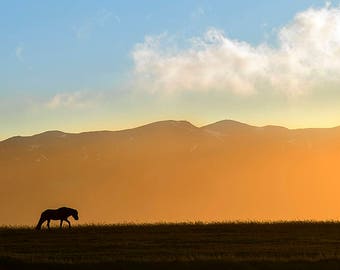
(89,65)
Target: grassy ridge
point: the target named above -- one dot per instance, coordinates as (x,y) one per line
(315,245)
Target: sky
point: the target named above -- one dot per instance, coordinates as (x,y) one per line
(105,65)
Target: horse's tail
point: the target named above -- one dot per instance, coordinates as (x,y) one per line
(41,221)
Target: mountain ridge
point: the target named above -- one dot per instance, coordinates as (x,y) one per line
(226,124)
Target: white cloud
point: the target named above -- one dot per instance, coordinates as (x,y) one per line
(197,13)
(102,17)
(117,18)
(84,30)
(307,55)
(73,100)
(18,53)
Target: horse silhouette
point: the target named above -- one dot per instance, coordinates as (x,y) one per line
(57,214)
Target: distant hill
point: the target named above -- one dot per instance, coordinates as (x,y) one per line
(173,171)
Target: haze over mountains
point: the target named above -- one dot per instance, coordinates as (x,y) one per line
(173,171)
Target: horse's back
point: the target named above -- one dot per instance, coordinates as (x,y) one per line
(63,209)
(60,213)
(53,213)
(47,212)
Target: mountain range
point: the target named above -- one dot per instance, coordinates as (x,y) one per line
(173,171)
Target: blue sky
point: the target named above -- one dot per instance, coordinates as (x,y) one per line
(59,52)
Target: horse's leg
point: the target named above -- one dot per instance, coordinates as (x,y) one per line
(69,223)
(61,223)
(48,223)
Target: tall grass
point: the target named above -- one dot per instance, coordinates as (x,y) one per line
(186,244)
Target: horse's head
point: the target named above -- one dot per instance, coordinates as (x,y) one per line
(75,214)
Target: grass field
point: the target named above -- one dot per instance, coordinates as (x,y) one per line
(286,245)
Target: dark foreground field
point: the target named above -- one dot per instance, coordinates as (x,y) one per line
(290,245)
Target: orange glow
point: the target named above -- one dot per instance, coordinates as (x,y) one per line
(174,171)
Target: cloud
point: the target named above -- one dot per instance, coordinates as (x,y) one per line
(72,100)
(102,17)
(306,56)
(197,13)
(85,29)
(82,31)
(18,53)
(117,18)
